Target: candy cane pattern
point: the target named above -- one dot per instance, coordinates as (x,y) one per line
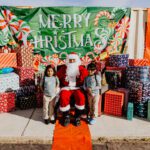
(90,53)
(23,30)
(100,14)
(86,60)
(3,38)
(123,27)
(48,60)
(8,19)
(117,9)
(56,60)
(97,59)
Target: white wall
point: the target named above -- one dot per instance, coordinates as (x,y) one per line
(136,40)
(109,3)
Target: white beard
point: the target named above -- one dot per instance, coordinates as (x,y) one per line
(72,70)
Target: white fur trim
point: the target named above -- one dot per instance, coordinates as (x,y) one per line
(69,88)
(65,108)
(73,56)
(79,107)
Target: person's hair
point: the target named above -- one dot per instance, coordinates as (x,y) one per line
(91,66)
(50,67)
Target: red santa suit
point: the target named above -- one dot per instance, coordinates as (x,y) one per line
(70,86)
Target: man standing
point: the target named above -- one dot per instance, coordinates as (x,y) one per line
(71,78)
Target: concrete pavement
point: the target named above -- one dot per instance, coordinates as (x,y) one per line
(29,123)
(24,129)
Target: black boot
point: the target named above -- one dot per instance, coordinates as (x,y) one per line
(66,118)
(77,117)
(77,121)
(47,121)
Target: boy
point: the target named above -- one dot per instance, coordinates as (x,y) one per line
(92,85)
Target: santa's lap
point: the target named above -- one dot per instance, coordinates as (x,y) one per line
(65,97)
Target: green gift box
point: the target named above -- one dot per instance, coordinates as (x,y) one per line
(130,111)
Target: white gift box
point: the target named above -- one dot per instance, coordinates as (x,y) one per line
(9,82)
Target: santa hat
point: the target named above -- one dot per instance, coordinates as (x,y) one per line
(73,55)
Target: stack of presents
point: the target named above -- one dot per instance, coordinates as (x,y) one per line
(128,81)
(129,87)
(17,84)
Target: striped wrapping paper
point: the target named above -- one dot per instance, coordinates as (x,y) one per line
(26,76)
(7,102)
(138,62)
(39,99)
(120,60)
(9,81)
(138,73)
(8,60)
(25,57)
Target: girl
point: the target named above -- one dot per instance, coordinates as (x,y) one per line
(50,86)
(92,84)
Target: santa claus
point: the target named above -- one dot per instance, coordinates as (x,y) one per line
(71,78)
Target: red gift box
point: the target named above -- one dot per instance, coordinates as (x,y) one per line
(113,103)
(26,76)
(39,99)
(138,62)
(24,56)
(7,102)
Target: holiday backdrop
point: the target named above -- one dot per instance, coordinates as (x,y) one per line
(53,32)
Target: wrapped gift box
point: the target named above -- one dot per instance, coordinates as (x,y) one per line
(126,98)
(39,99)
(113,103)
(25,91)
(130,111)
(146,89)
(9,82)
(138,73)
(138,62)
(26,102)
(135,89)
(138,90)
(148,111)
(7,102)
(8,60)
(123,71)
(141,107)
(119,60)
(116,68)
(114,78)
(24,56)
(26,76)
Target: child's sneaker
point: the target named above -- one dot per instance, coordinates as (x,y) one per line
(52,120)
(92,121)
